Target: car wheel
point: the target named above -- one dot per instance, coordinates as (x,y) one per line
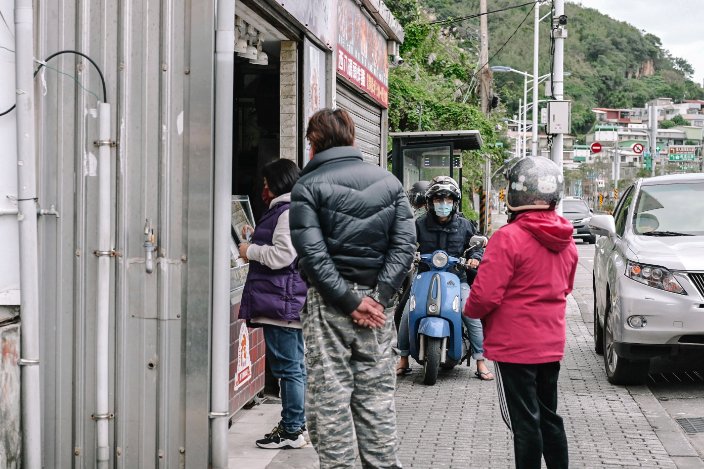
(598,330)
(592,240)
(620,370)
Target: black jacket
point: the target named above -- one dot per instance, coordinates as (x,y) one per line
(351,221)
(452,237)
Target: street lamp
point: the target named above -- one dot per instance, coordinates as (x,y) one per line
(526,75)
(534,104)
(518,123)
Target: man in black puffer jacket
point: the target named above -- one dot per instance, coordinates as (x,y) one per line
(352,227)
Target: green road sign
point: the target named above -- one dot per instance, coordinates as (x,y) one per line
(682,157)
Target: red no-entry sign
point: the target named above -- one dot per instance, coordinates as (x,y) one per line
(596,147)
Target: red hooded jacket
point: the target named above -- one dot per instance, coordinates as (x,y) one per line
(520,292)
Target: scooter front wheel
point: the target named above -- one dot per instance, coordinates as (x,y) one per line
(433,349)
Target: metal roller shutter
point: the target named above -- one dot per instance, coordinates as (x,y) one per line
(367,122)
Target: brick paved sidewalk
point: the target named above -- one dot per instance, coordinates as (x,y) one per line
(457,424)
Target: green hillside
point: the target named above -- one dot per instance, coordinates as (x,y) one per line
(612,63)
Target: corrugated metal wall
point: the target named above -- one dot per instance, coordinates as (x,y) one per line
(367,121)
(157,58)
(10,437)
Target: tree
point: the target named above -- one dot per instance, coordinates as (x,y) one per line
(681,65)
(432,90)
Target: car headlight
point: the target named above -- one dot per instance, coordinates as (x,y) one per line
(654,276)
(440,260)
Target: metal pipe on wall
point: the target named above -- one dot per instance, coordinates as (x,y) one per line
(222,194)
(27,218)
(102,320)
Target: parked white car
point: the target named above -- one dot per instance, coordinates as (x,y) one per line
(649,276)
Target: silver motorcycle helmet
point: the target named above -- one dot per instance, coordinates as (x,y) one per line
(443,186)
(534,183)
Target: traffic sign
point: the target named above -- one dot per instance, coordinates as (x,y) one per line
(638,148)
(595,147)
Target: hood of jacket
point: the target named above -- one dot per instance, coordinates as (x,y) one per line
(550,229)
(334,153)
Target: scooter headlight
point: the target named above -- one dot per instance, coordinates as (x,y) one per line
(440,260)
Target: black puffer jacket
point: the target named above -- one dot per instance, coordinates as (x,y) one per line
(351,221)
(452,237)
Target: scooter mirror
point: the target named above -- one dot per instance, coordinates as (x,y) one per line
(478,241)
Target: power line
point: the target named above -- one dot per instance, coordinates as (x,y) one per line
(9,30)
(462,18)
(474,75)
(509,38)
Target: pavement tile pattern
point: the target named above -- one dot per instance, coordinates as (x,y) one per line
(457,423)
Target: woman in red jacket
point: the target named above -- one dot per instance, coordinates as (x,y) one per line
(520,294)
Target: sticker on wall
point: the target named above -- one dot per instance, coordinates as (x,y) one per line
(244,360)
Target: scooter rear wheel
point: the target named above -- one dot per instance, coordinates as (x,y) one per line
(433,350)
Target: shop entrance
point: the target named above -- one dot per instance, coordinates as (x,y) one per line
(256,123)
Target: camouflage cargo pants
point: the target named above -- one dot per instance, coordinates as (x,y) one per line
(351,384)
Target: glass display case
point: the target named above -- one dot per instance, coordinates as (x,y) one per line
(241,215)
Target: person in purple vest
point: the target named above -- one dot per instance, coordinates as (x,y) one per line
(273,296)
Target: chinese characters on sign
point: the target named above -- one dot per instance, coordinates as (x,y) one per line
(361,51)
(350,68)
(682,153)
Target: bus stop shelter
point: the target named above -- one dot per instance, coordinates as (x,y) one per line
(420,156)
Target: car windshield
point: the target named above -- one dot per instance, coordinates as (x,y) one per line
(576,208)
(670,210)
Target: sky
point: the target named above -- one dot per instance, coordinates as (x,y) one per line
(678,24)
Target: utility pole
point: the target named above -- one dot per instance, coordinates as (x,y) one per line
(485,96)
(653,130)
(536,43)
(559,33)
(484,71)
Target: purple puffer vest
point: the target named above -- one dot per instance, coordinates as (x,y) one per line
(275,294)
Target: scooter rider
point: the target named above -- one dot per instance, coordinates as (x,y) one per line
(417,198)
(444,228)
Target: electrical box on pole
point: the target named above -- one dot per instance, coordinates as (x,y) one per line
(559,120)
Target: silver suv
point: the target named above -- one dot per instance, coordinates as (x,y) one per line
(649,276)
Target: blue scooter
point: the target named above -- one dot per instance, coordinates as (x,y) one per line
(435,313)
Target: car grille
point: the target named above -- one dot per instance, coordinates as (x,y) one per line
(698,281)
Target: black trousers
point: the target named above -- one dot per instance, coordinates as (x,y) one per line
(528,400)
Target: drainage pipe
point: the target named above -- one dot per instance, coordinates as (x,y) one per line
(102,320)
(27,221)
(222,195)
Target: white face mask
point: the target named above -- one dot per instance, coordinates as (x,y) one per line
(442,209)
